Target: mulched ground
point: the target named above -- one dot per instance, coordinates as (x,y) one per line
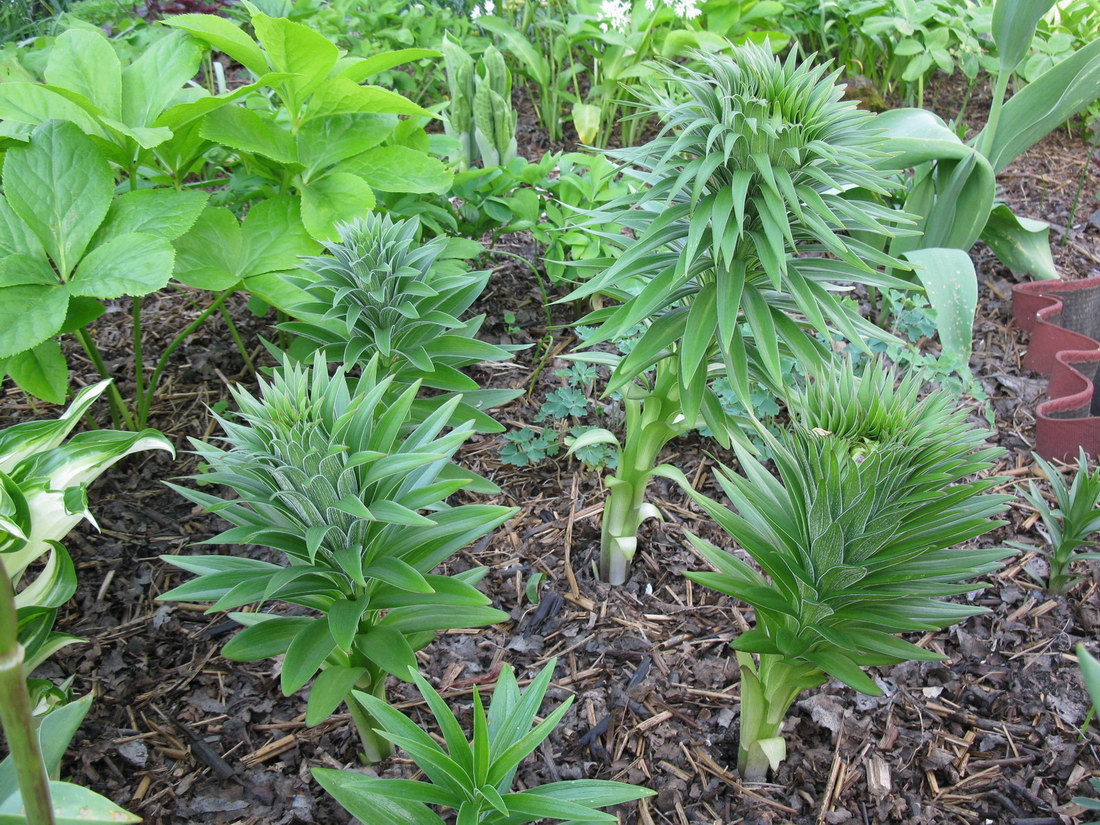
(180,735)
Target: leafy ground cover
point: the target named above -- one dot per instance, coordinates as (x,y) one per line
(180,735)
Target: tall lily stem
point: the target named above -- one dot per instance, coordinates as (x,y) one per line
(768,689)
(16,718)
(652,420)
(375,748)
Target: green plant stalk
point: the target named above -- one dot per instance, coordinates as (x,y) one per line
(1081,179)
(16,717)
(1061,581)
(651,422)
(1000,89)
(120,413)
(235,334)
(144,403)
(139,360)
(375,748)
(768,690)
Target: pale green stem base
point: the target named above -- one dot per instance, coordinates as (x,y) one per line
(375,748)
(652,420)
(768,690)
(17,719)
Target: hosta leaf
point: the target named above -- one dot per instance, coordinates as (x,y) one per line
(73,805)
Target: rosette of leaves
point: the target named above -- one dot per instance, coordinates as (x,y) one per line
(1070,523)
(382,293)
(855,543)
(326,138)
(333,473)
(474,777)
(752,209)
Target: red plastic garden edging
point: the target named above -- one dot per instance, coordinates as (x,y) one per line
(1063,318)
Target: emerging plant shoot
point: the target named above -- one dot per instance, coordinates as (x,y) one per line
(759,169)
(475,777)
(855,543)
(331,472)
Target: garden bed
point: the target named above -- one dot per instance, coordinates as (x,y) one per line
(180,735)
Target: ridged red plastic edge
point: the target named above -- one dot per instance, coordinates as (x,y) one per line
(1054,351)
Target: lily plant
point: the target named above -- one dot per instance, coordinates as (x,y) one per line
(1069,524)
(334,474)
(854,543)
(474,777)
(381,292)
(753,208)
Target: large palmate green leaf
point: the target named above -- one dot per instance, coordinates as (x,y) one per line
(67,243)
(327,139)
(220,253)
(61,187)
(143,109)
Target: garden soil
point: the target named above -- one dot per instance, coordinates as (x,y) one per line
(180,735)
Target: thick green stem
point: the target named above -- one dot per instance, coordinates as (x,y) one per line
(145,402)
(139,357)
(767,692)
(623,515)
(375,748)
(120,413)
(16,717)
(990,131)
(651,422)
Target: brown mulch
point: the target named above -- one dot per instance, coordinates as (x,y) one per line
(180,735)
